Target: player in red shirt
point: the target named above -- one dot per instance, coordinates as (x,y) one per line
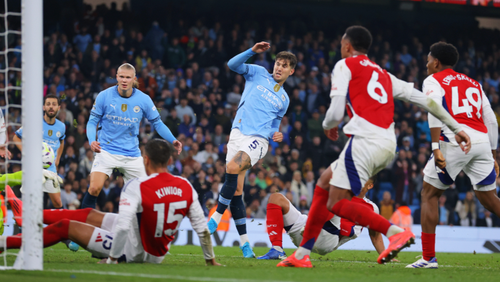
(369,92)
(151,210)
(335,232)
(465,100)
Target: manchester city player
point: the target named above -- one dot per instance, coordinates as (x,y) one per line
(262,106)
(54,133)
(118,110)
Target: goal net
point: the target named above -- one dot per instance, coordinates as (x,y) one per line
(21,88)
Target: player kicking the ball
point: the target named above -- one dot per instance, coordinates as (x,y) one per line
(464,98)
(369,92)
(335,232)
(151,210)
(262,106)
(119,110)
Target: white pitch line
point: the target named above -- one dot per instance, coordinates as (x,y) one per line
(158,276)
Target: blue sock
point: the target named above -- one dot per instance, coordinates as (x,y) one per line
(239,214)
(227,192)
(89,201)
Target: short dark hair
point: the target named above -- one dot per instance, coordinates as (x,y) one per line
(52,96)
(446,53)
(360,38)
(288,56)
(158,151)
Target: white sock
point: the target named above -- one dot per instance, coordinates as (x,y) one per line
(393,230)
(278,248)
(301,253)
(243,239)
(217,217)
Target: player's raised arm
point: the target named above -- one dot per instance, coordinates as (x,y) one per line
(405,91)
(129,203)
(154,118)
(199,223)
(341,76)
(237,63)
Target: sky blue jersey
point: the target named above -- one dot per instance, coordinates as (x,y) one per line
(53,135)
(263,103)
(119,119)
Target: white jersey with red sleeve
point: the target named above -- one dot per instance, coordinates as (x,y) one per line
(151,210)
(370,92)
(464,99)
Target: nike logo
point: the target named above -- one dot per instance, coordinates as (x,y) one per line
(114,106)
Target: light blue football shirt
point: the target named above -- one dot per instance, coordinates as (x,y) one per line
(263,103)
(119,120)
(53,134)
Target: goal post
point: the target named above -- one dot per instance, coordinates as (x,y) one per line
(31,257)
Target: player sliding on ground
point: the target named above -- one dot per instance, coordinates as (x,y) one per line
(119,110)
(262,106)
(465,100)
(369,91)
(151,210)
(335,232)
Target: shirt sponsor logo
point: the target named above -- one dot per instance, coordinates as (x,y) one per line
(125,121)
(124,107)
(136,109)
(270,97)
(165,191)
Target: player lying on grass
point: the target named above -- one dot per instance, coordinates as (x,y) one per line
(151,210)
(336,231)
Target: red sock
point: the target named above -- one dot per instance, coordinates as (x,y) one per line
(52,235)
(52,216)
(361,215)
(318,215)
(428,246)
(274,221)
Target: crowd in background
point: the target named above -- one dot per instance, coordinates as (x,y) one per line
(183,68)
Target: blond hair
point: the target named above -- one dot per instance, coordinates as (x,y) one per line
(128,66)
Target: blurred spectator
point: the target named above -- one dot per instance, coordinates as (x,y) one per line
(386,205)
(298,188)
(443,212)
(67,195)
(466,210)
(402,217)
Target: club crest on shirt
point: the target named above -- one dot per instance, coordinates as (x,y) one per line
(136,109)
(124,107)
(283,97)
(58,134)
(277,88)
(50,132)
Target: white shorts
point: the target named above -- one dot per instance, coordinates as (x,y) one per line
(361,159)
(131,167)
(255,146)
(48,187)
(295,222)
(478,164)
(100,243)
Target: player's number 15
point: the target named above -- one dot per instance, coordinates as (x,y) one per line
(171,217)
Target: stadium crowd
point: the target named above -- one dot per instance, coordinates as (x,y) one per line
(182,66)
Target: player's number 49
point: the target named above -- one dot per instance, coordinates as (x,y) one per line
(171,217)
(466,107)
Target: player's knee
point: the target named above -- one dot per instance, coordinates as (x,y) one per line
(94,190)
(232,168)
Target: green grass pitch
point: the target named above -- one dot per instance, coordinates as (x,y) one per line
(186,264)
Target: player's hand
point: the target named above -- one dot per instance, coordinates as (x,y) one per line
(277,136)
(463,137)
(212,262)
(439,159)
(95,146)
(395,260)
(178,146)
(332,134)
(496,167)
(261,47)
(5,153)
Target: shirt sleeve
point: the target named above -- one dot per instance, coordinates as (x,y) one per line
(490,120)
(19,132)
(63,131)
(335,112)
(150,111)
(341,76)
(237,64)
(433,90)
(401,90)
(199,223)
(129,203)
(99,106)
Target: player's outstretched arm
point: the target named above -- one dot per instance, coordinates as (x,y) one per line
(197,219)
(377,241)
(166,134)
(237,63)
